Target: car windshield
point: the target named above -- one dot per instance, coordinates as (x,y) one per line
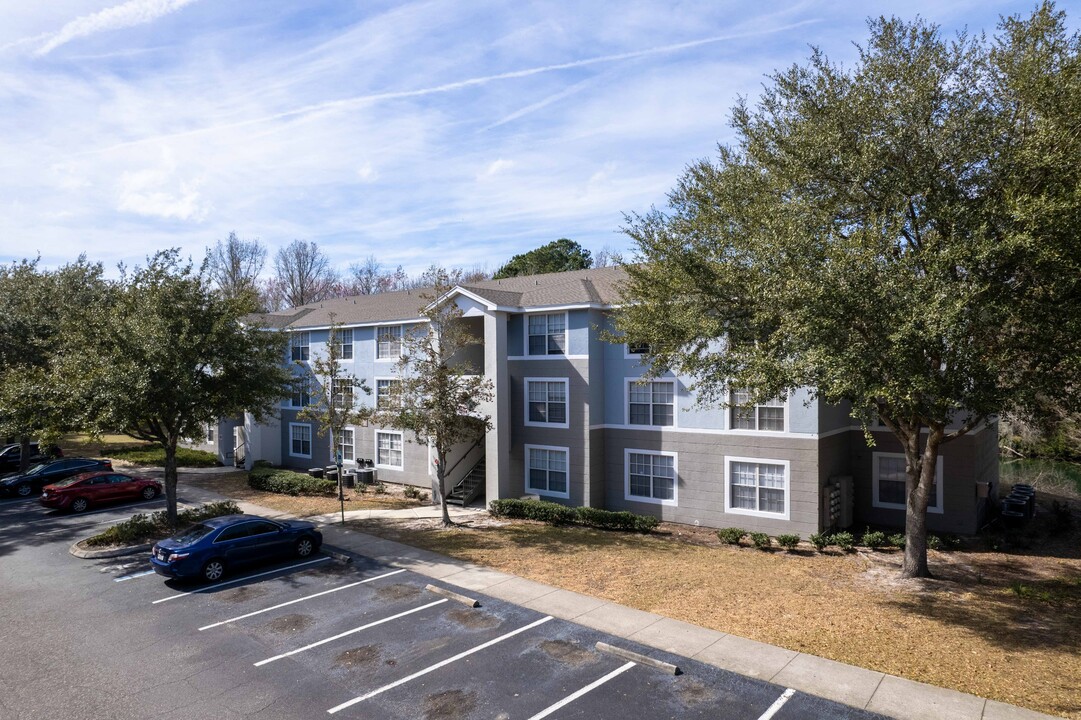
(195,532)
(36,470)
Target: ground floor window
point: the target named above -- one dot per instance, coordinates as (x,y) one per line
(757,487)
(889,479)
(300,440)
(346,445)
(546,470)
(388,450)
(650,476)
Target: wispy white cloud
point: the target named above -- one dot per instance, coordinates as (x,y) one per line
(129,14)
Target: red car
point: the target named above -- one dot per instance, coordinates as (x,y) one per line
(97,488)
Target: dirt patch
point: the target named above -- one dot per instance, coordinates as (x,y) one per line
(449,705)
(568,652)
(290,623)
(358,656)
(692,692)
(397,591)
(241,594)
(473,619)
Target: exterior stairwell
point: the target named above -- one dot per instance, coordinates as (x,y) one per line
(470,487)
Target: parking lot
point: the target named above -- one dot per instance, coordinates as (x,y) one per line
(316,638)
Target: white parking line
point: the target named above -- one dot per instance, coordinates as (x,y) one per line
(438,665)
(52,518)
(574,696)
(144,573)
(233,582)
(339,636)
(777,704)
(302,599)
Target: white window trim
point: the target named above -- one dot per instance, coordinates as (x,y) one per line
(401,347)
(308,379)
(939,485)
(353,430)
(729,459)
(311,440)
(627,404)
(392,378)
(341,345)
(525,478)
(739,431)
(566,394)
(628,355)
(306,335)
(627,477)
(375,449)
(566,337)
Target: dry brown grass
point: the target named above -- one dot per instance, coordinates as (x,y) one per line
(235,486)
(82,445)
(966,630)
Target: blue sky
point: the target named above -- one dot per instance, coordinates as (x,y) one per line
(459,133)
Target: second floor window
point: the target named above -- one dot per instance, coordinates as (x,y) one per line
(299,346)
(344,339)
(343,393)
(548,334)
(547,402)
(388,393)
(747,416)
(302,391)
(652,403)
(388,342)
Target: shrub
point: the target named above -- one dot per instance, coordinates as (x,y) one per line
(613,520)
(875,539)
(543,511)
(788,541)
(411,492)
(934,542)
(731,536)
(379,488)
(897,540)
(289,482)
(819,540)
(843,540)
(141,528)
(760,540)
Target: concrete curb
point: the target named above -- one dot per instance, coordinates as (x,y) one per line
(340,555)
(109,552)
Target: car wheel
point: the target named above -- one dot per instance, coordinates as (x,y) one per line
(213,570)
(24,490)
(79,505)
(150,492)
(305,547)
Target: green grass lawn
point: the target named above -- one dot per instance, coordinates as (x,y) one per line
(151,455)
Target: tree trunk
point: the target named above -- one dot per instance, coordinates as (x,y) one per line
(170,481)
(440,473)
(24,454)
(920,468)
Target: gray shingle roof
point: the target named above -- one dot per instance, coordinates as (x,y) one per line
(598,286)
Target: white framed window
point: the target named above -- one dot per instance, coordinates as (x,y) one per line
(650,476)
(388,344)
(342,393)
(651,403)
(387,393)
(300,440)
(546,402)
(546,470)
(635,349)
(344,339)
(346,445)
(211,432)
(388,450)
(747,416)
(302,391)
(754,486)
(546,334)
(300,346)
(888,481)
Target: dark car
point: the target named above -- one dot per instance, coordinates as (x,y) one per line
(212,547)
(10,456)
(98,488)
(51,471)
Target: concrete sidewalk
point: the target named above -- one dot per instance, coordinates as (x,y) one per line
(867,689)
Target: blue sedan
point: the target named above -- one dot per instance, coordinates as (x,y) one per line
(212,547)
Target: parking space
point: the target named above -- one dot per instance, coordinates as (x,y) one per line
(316,637)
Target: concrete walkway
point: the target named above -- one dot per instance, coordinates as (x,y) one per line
(868,689)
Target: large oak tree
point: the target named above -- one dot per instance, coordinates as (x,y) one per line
(903,235)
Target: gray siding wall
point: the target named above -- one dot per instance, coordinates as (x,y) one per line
(700,459)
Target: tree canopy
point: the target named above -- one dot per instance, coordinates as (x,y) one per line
(903,235)
(557,256)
